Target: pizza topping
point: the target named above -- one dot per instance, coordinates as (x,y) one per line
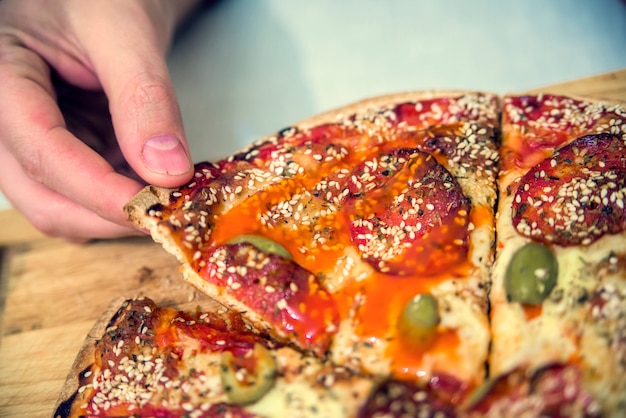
(414,222)
(223,410)
(419,320)
(554,390)
(286,295)
(376,172)
(474,107)
(293,151)
(149,356)
(538,124)
(575,196)
(531,274)
(394,398)
(467,149)
(264,244)
(246,379)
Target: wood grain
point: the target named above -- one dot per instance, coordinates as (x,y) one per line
(51,292)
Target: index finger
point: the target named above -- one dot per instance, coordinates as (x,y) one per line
(33,130)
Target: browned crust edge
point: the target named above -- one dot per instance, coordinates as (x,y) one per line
(86,353)
(136,210)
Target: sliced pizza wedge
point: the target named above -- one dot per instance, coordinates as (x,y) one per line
(559,278)
(363,235)
(144,360)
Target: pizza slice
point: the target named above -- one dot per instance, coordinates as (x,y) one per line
(559,287)
(144,360)
(363,235)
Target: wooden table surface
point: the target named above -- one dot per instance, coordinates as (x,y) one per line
(51,292)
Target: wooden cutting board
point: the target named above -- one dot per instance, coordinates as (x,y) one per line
(51,292)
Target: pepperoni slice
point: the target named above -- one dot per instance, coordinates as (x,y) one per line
(224,410)
(284,154)
(286,295)
(552,391)
(575,196)
(393,398)
(445,110)
(407,214)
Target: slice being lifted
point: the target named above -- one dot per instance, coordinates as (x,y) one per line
(558,297)
(363,235)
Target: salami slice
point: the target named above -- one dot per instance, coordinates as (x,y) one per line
(408,215)
(575,196)
(285,294)
(554,390)
(394,398)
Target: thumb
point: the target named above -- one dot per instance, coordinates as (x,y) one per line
(129,60)
(149,127)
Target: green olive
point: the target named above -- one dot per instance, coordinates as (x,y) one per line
(531,274)
(243,386)
(264,244)
(419,320)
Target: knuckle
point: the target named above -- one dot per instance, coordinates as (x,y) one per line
(31,160)
(146,92)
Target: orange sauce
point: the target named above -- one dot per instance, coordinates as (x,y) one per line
(408,360)
(385,295)
(481,216)
(385,298)
(532,311)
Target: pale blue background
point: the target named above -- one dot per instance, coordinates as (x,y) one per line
(246,68)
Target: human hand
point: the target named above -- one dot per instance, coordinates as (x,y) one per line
(87,110)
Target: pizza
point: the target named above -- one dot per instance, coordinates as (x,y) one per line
(450,253)
(558,291)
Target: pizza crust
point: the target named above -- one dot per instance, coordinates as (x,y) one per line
(84,360)
(382,101)
(136,210)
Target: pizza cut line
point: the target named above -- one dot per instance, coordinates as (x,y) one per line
(459,244)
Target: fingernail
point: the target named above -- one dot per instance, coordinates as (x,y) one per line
(164,154)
